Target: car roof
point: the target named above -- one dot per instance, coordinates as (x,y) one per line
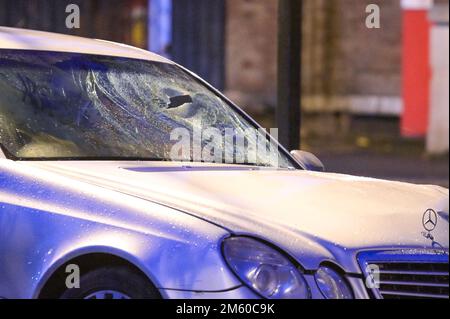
(23,39)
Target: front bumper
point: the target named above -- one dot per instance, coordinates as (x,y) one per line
(244,293)
(241,292)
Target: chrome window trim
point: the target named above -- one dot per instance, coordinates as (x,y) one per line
(405,255)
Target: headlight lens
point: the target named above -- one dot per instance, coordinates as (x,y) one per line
(332,284)
(264,269)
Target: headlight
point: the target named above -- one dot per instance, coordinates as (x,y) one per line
(264,269)
(332,284)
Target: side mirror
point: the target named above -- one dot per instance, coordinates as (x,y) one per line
(309,161)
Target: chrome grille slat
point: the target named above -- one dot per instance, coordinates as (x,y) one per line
(408,275)
(418,273)
(422,284)
(416,295)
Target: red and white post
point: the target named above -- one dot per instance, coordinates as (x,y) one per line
(416,72)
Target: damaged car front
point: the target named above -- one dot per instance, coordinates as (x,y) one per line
(90,182)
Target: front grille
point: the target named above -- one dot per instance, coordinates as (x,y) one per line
(413,280)
(409,276)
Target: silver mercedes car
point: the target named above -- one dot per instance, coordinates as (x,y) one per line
(99,200)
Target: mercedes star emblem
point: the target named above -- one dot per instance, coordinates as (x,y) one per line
(430,220)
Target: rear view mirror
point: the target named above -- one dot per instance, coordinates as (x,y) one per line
(308,161)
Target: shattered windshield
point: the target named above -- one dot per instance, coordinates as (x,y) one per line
(75,106)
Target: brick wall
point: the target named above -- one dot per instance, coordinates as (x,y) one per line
(345,65)
(251,52)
